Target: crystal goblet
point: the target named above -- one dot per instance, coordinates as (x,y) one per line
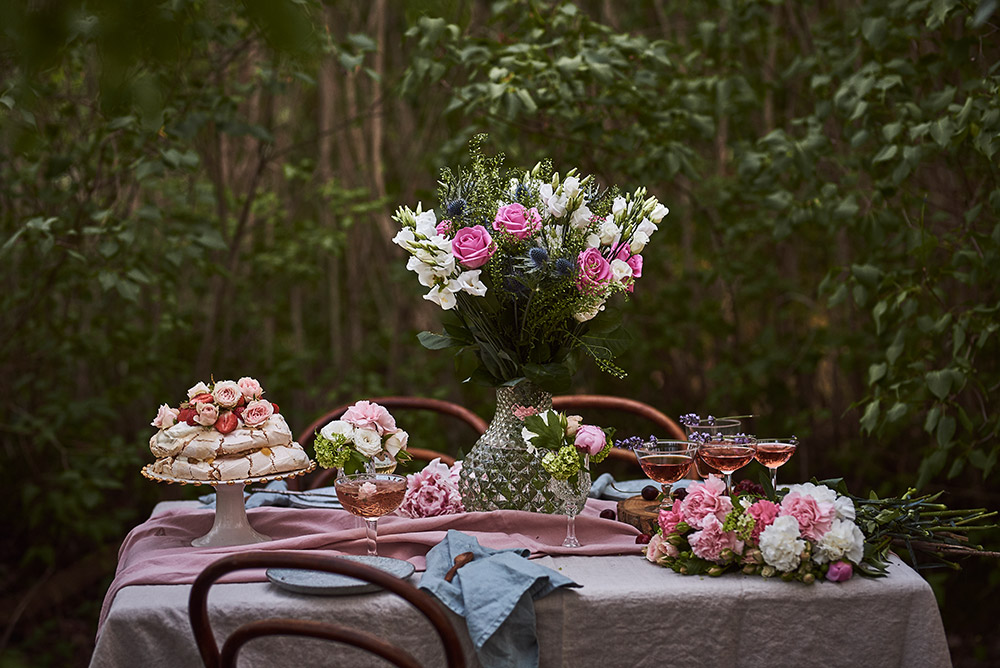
(573,493)
(666,461)
(773,452)
(370,496)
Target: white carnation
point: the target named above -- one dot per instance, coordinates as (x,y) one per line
(843,540)
(336,429)
(367,442)
(780,544)
(820,493)
(845,508)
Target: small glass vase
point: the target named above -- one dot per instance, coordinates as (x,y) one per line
(499,473)
(573,493)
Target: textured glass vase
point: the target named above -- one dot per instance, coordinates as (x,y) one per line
(499,473)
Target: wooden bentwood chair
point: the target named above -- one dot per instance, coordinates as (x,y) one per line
(415,403)
(213,657)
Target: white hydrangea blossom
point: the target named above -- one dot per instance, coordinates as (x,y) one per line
(844,540)
(780,544)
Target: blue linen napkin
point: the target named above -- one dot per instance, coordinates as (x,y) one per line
(606,487)
(495,592)
(257,499)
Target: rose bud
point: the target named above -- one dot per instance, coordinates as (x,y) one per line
(226,422)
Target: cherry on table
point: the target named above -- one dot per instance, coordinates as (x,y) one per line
(649,493)
(607,514)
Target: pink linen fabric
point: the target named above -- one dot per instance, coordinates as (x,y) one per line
(159,550)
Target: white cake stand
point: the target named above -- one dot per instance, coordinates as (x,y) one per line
(231,525)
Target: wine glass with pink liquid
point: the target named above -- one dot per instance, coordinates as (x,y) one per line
(728,454)
(705,430)
(773,452)
(370,496)
(666,462)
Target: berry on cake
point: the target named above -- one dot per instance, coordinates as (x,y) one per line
(224,431)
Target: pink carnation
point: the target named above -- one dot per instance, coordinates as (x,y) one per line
(521,412)
(712,540)
(669,519)
(432,491)
(707,499)
(814,518)
(658,548)
(517,220)
(764,513)
(840,571)
(367,415)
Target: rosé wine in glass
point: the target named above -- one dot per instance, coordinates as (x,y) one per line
(370,496)
(773,452)
(728,454)
(666,462)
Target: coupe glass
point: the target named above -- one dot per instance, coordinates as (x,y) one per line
(707,431)
(727,454)
(666,462)
(370,496)
(773,452)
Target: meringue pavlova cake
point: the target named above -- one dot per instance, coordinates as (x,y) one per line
(224,431)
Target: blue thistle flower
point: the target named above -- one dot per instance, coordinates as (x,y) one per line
(455,207)
(563,266)
(522,193)
(538,255)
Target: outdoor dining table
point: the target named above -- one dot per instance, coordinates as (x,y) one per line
(628,611)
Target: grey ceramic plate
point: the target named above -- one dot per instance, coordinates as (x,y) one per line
(320,583)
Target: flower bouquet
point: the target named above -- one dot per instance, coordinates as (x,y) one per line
(523,264)
(433,491)
(364,435)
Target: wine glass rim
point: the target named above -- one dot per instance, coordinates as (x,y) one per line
(720,422)
(663,443)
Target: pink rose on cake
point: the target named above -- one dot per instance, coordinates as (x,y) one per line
(257,412)
(251,388)
(166,417)
(207,414)
(227,393)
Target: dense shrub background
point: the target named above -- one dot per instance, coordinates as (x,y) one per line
(194,188)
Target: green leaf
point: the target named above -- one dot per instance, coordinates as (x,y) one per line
(939,383)
(876,372)
(887,153)
(945,431)
(932,418)
(873,30)
(433,341)
(897,411)
(870,417)
(555,378)
(941,131)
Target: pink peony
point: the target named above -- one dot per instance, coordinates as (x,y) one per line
(473,246)
(257,412)
(705,500)
(207,414)
(227,393)
(165,417)
(658,548)
(593,271)
(517,220)
(712,540)
(839,571)
(367,415)
(251,388)
(590,439)
(814,518)
(764,513)
(669,519)
(432,491)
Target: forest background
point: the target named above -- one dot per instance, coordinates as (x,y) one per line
(193,188)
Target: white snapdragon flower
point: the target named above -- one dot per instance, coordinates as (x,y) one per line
(444,298)
(780,544)
(338,430)
(658,213)
(620,270)
(639,241)
(368,442)
(580,218)
(426,223)
(844,540)
(468,281)
(619,205)
(610,233)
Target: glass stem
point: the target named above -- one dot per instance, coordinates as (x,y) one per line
(774,479)
(665,501)
(729,484)
(371,524)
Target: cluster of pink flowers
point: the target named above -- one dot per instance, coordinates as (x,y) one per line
(223,405)
(811,532)
(433,491)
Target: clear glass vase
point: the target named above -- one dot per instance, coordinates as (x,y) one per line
(499,473)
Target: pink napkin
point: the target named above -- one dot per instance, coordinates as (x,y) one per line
(159,550)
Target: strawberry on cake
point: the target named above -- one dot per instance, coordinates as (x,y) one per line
(224,431)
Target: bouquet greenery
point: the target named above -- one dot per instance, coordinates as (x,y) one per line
(569,444)
(523,263)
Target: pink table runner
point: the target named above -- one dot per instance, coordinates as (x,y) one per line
(159,550)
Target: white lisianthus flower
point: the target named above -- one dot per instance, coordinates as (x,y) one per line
(426,223)
(468,281)
(367,442)
(609,233)
(618,205)
(425,272)
(593,241)
(554,201)
(589,314)
(845,508)
(844,540)
(338,431)
(194,391)
(658,213)
(443,298)
(571,186)
(580,218)
(646,226)
(780,544)
(620,270)
(397,442)
(639,241)
(526,436)
(405,239)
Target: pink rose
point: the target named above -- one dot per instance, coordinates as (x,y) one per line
(366,415)
(593,271)
(444,228)
(669,519)
(251,389)
(706,500)
(573,423)
(814,518)
(257,412)
(590,439)
(517,220)
(227,393)
(840,571)
(658,548)
(712,540)
(763,512)
(207,414)
(473,246)
(634,261)
(165,417)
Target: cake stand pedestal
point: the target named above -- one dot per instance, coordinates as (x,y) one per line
(231,525)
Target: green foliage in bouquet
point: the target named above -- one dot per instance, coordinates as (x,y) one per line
(571,446)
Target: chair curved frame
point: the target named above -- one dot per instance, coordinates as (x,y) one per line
(213,657)
(571,402)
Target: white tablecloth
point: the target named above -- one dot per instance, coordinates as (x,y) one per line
(628,613)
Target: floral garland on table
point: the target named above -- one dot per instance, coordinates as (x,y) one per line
(433,491)
(366,431)
(222,405)
(569,442)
